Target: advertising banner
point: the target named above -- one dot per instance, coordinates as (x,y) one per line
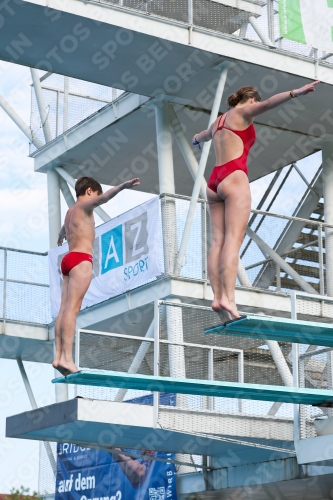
(126,254)
(307,21)
(88,474)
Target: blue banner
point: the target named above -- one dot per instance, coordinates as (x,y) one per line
(89,474)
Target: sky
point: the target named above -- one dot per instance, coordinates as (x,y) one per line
(23,196)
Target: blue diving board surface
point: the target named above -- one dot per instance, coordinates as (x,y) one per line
(214,388)
(281,329)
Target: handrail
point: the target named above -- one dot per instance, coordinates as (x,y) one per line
(44,254)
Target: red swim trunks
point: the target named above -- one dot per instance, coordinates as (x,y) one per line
(72,259)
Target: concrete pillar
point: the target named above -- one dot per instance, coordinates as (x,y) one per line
(170,244)
(53,192)
(166,184)
(175,334)
(177,362)
(169,221)
(164,148)
(327,149)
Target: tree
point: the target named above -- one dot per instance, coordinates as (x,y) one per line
(21,494)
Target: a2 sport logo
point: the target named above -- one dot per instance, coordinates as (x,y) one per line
(125,245)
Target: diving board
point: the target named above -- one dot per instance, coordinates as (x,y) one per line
(281,329)
(196,387)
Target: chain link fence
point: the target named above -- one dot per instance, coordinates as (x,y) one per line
(314,363)
(68,102)
(239,19)
(24,287)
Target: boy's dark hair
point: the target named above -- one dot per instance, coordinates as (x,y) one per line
(83,183)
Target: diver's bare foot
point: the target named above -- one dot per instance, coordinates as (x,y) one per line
(216,305)
(230,307)
(63,371)
(66,368)
(223,313)
(56,362)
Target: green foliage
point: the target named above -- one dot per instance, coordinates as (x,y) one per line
(21,494)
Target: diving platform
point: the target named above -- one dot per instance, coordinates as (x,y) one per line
(27,341)
(107,425)
(280,329)
(211,388)
(181,69)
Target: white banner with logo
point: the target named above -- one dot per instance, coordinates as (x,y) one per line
(126,254)
(308,21)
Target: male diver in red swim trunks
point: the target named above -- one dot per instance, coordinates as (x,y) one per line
(76,266)
(228,189)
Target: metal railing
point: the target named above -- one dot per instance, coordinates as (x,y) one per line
(24,286)
(157,342)
(24,293)
(300,267)
(254,21)
(68,102)
(192,355)
(313,364)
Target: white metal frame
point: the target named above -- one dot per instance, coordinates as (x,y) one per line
(156,341)
(296,355)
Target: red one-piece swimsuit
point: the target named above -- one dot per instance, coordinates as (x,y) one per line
(220,172)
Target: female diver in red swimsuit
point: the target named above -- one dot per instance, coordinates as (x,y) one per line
(228,189)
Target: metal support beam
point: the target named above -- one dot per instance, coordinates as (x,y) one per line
(325,56)
(267,250)
(138,358)
(69,198)
(41,104)
(224,67)
(53,192)
(20,123)
(327,149)
(270,19)
(65,115)
(190,12)
(261,34)
(242,275)
(283,369)
(243,29)
(186,150)
(34,407)
(68,178)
